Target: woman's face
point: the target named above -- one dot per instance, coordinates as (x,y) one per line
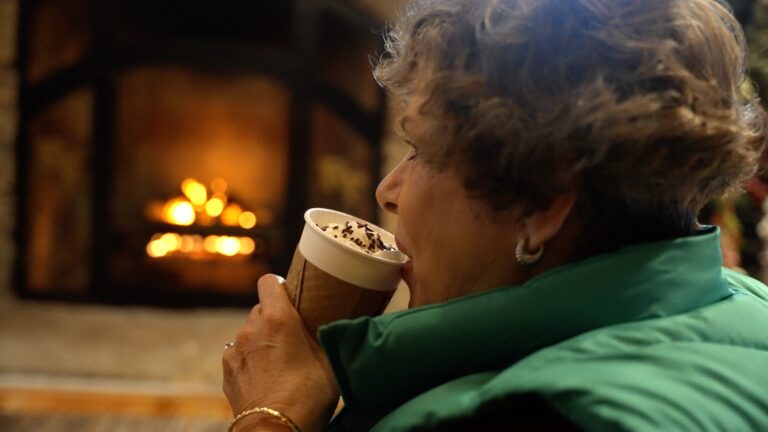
(456,244)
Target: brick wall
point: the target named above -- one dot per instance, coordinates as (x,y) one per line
(8,120)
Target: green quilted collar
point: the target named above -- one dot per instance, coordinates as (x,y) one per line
(382,362)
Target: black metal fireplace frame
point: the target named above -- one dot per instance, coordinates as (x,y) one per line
(108,55)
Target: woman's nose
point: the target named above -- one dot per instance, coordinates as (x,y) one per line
(388,191)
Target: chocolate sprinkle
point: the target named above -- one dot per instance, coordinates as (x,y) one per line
(367,239)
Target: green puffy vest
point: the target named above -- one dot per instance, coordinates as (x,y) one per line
(654,337)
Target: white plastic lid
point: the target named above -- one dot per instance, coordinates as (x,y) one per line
(348,263)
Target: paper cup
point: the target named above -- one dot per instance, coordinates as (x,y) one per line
(329,280)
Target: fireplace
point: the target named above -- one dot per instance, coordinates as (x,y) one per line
(167,152)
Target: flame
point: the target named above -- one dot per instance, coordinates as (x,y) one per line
(201,206)
(156,248)
(179,212)
(247,245)
(231,214)
(210,244)
(247,220)
(168,244)
(228,246)
(215,205)
(195,191)
(187,244)
(171,241)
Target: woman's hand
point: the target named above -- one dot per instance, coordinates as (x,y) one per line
(276,364)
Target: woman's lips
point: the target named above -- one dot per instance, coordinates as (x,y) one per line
(407,267)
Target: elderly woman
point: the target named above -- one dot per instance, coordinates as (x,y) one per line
(560,151)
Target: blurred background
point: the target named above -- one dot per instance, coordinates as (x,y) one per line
(156,159)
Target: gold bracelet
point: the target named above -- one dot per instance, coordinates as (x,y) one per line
(262,410)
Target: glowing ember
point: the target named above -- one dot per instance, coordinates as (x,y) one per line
(228,246)
(156,249)
(247,245)
(172,241)
(173,244)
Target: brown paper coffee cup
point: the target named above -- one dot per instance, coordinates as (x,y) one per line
(329,281)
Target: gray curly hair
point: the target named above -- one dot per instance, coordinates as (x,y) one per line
(637,105)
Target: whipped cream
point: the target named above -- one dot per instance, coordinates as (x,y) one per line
(359,236)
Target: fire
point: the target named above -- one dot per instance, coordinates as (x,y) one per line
(231,214)
(228,246)
(179,212)
(167,244)
(215,206)
(195,192)
(201,206)
(247,220)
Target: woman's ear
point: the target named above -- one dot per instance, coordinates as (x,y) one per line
(543,225)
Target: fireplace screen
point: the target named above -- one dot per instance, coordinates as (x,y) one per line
(180,177)
(198,185)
